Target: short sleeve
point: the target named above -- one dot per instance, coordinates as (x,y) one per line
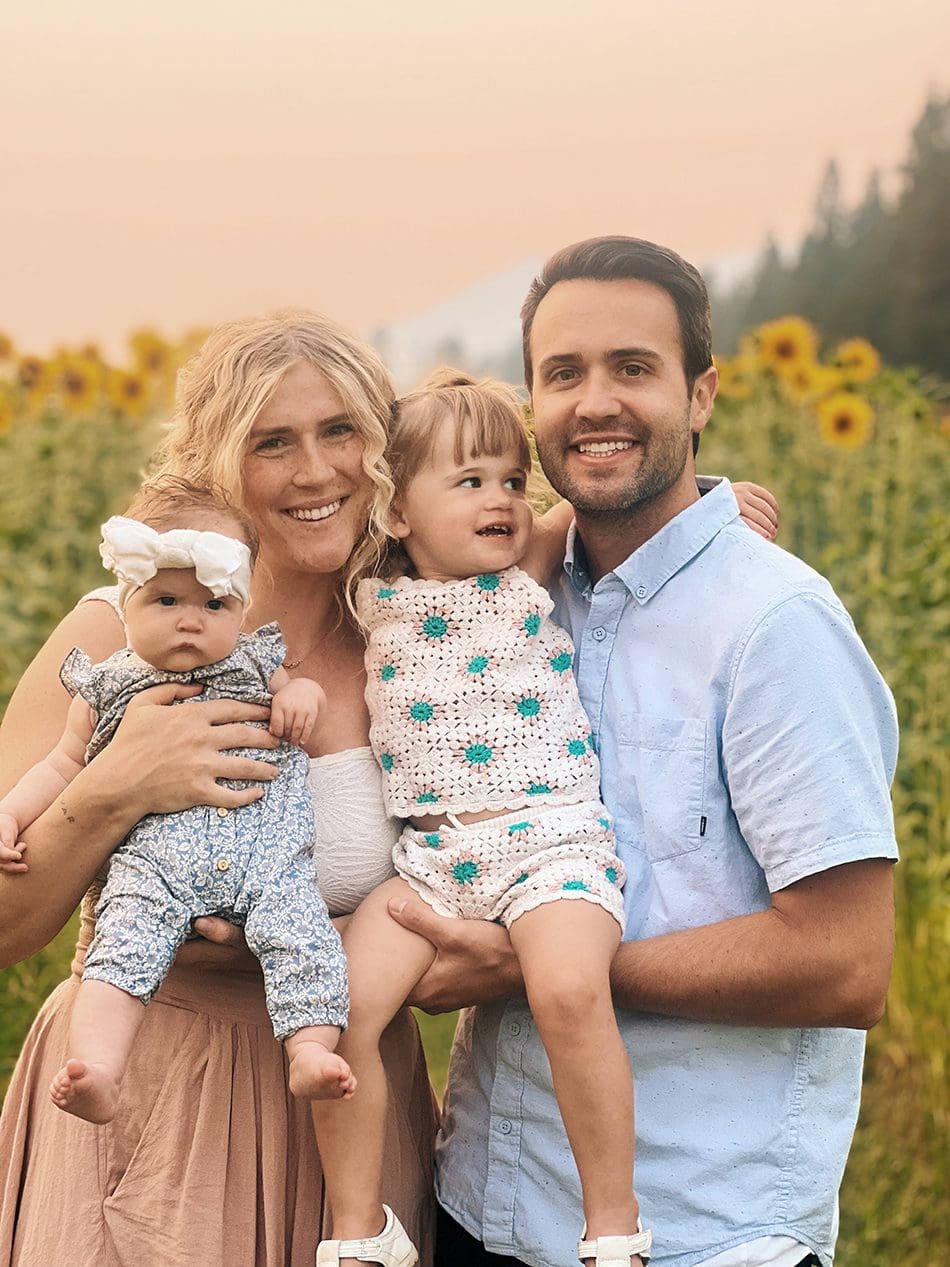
(809,743)
(266,649)
(75,674)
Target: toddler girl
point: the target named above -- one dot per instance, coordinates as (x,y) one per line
(183,560)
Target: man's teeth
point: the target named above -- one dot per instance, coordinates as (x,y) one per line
(606,446)
(323,512)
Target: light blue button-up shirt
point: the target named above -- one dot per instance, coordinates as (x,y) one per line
(746,741)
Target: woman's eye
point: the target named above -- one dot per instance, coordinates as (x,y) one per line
(340,429)
(269,444)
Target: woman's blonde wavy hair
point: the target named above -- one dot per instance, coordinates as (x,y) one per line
(222,390)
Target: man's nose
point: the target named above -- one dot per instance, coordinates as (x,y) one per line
(598,398)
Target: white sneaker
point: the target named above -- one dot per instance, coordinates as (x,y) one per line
(391,1247)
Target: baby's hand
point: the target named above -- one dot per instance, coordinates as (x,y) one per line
(11,854)
(294,710)
(757,508)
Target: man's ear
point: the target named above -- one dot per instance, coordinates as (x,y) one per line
(397,526)
(703,398)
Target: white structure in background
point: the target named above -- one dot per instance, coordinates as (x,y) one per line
(478,329)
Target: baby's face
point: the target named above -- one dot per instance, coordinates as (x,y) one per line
(175,624)
(458,520)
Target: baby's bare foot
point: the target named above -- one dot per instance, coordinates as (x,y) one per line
(89,1091)
(318,1074)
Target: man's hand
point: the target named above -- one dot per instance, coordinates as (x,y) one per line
(474,961)
(220,945)
(11,853)
(294,710)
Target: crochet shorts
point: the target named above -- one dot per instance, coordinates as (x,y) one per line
(499,868)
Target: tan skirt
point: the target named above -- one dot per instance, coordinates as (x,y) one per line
(209,1159)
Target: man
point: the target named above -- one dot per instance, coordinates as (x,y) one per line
(747,744)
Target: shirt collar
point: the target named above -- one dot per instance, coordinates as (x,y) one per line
(647,570)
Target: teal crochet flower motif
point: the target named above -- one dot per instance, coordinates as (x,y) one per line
(387,761)
(529,706)
(521,878)
(531,624)
(421,711)
(561,662)
(435,627)
(478,754)
(577,748)
(611,874)
(427,798)
(477,664)
(605,823)
(387,672)
(488,582)
(591,742)
(385,591)
(575,886)
(432,839)
(514,828)
(537,789)
(465,872)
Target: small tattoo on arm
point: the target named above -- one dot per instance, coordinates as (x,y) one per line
(65,812)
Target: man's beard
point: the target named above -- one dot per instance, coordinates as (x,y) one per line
(661,466)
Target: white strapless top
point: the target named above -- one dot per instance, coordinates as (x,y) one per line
(353,846)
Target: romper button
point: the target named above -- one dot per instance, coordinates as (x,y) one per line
(641,591)
(505,1127)
(222,812)
(223,864)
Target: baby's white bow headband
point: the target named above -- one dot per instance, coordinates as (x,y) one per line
(135,552)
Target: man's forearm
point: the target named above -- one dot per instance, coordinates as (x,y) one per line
(819,956)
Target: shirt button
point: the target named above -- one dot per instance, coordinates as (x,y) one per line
(641,591)
(222,864)
(514,1029)
(505,1127)
(222,812)
(599,634)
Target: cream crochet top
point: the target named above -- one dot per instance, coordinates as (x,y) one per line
(472,700)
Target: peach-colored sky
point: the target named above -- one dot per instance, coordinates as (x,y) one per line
(194,159)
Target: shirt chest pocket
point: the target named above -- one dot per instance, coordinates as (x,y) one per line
(660,808)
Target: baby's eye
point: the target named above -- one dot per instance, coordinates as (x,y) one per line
(214,604)
(470,481)
(516,483)
(166,600)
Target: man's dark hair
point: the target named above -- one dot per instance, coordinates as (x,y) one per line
(611,259)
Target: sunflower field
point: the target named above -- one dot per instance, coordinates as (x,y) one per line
(855,451)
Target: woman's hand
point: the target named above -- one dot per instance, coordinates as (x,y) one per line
(758,508)
(474,960)
(169,759)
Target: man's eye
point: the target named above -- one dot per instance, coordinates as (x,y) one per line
(563,375)
(633,371)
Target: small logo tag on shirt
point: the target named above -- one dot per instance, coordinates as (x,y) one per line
(702,826)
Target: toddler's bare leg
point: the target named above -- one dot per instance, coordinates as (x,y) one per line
(102,1029)
(316,1071)
(384,962)
(565,949)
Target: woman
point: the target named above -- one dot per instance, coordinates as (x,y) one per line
(212,1160)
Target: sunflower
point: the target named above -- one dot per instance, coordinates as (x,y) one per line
(6,347)
(786,343)
(32,373)
(736,377)
(78,382)
(128,392)
(152,355)
(807,381)
(858,360)
(844,419)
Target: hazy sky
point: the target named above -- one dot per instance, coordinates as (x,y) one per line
(183,161)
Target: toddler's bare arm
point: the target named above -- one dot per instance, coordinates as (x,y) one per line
(296,704)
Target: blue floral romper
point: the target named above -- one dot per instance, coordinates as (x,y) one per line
(252,865)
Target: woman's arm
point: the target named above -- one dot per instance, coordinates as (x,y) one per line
(161,760)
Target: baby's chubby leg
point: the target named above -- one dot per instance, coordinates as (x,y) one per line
(103,1026)
(316,1071)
